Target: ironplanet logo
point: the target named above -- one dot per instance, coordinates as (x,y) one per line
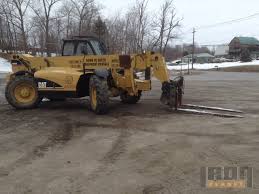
(227,177)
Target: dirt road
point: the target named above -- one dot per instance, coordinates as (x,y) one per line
(145,148)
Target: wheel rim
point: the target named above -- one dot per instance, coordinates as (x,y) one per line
(93,98)
(24,93)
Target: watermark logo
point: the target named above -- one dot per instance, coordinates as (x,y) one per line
(227,177)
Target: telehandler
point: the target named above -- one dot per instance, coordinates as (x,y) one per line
(85,69)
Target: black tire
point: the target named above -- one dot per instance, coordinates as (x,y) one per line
(102,94)
(12,98)
(127,99)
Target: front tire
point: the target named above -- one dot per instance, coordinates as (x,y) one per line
(99,94)
(22,93)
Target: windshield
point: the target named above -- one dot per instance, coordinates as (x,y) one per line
(80,46)
(98,47)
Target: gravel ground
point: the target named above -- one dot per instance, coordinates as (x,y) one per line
(145,148)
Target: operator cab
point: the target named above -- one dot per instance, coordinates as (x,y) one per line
(86,45)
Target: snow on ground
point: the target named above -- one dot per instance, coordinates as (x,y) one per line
(5,66)
(213,65)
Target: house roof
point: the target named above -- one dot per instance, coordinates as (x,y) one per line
(248,40)
(200,55)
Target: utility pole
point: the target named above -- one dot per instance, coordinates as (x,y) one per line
(188,66)
(182,59)
(193,39)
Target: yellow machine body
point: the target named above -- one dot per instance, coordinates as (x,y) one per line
(66,71)
(84,69)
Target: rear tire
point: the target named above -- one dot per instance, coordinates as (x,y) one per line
(22,93)
(127,99)
(99,94)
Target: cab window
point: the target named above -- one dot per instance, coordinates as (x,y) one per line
(87,46)
(68,49)
(98,47)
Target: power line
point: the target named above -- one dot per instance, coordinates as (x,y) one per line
(222,23)
(218,24)
(229,22)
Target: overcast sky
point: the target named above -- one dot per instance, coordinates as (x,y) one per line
(198,13)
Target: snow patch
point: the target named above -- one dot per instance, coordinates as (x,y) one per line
(5,66)
(213,65)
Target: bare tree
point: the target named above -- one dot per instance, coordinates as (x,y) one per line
(142,22)
(129,32)
(116,34)
(136,27)
(6,38)
(43,28)
(165,26)
(21,7)
(44,18)
(67,10)
(85,11)
(130,41)
(15,12)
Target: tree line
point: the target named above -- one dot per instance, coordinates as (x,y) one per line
(38,26)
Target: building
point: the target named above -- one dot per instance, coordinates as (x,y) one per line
(238,44)
(199,58)
(222,51)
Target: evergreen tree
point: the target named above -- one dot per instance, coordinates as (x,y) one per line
(100,28)
(245,56)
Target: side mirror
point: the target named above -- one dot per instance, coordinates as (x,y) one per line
(84,49)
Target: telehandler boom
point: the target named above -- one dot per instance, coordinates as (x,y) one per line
(84,69)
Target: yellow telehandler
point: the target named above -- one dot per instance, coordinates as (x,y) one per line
(84,69)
